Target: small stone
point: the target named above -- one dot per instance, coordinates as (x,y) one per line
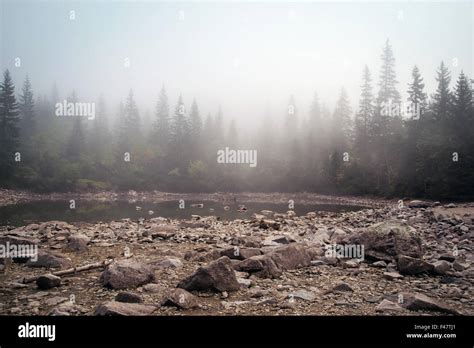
(48,281)
(180,298)
(128,297)
(341,287)
(303,295)
(388,306)
(441,267)
(392,275)
(379,264)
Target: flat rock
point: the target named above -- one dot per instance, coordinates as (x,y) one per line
(303,295)
(124,309)
(417,302)
(419,204)
(240,253)
(392,275)
(388,306)
(170,262)
(49,260)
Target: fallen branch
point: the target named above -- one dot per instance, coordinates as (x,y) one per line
(73,270)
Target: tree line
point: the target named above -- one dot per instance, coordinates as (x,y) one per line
(419,147)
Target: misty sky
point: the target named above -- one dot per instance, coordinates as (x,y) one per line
(241,55)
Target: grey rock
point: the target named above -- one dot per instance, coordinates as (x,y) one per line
(441,267)
(388,306)
(50,260)
(127,274)
(180,298)
(78,242)
(411,266)
(124,309)
(128,297)
(216,276)
(48,281)
(386,240)
(417,302)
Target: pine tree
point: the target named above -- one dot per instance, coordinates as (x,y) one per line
(341,123)
(364,116)
(179,144)
(442,99)
(26,106)
(388,80)
(100,131)
(315,115)
(416,95)
(232,137)
(161,132)
(291,119)
(195,123)
(75,146)
(9,132)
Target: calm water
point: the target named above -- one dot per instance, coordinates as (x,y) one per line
(94,211)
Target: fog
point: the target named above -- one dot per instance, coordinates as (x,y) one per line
(243,56)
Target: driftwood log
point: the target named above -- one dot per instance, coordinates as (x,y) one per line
(73,270)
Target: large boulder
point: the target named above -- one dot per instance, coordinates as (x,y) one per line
(271,264)
(124,309)
(291,256)
(216,276)
(127,274)
(388,239)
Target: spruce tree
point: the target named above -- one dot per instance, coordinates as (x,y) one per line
(161,128)
(9,132)
(416,94)
(27,112)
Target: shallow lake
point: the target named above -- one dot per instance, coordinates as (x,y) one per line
(95,211)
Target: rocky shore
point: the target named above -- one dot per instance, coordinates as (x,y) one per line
(408,259)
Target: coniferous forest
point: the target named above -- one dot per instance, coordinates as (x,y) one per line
(229,163)
(398,141)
